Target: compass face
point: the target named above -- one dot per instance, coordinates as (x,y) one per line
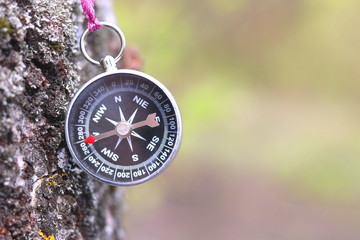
(123,127)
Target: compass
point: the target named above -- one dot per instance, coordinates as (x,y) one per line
(123,127)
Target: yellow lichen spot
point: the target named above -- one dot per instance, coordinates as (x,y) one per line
(53,183)
(52,237)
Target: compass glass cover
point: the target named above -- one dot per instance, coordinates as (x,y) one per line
(123,127)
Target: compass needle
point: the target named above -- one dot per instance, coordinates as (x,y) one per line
(92,139)
(149,121)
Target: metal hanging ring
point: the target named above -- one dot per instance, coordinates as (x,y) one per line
(119,33)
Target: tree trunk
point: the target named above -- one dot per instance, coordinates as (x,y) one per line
(43,194)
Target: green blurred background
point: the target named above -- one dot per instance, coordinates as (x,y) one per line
(269,94)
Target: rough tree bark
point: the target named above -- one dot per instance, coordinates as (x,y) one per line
(43,195)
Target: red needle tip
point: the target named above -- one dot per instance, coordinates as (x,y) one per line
(90,139)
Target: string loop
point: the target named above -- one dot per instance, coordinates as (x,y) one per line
(117,31)
(89,12)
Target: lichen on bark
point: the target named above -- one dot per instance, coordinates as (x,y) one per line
(42,193)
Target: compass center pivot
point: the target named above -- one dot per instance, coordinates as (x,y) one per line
(124,129)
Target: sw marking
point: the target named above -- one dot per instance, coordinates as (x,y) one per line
(113,156)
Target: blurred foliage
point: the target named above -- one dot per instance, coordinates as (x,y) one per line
(265,86)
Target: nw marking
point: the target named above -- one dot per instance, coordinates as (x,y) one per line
(99,113)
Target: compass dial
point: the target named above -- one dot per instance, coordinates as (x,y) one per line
(123,127)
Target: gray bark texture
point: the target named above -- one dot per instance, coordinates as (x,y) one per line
(43,194)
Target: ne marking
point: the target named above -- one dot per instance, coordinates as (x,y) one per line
(140,101)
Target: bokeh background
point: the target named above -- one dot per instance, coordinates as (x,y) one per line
(269,94)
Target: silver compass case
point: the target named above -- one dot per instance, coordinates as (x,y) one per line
(123,97)
(123,127)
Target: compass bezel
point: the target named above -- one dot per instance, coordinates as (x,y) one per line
(177,142)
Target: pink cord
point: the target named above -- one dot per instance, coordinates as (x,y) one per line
(88,8)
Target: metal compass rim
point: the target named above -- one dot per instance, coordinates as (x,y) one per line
(176,143)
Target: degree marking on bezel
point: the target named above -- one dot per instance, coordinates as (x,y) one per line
(92,95)
(102,163)
(137,84)
(115,173)
(103,82)
(147,169)
(152,90)
(88,156)
(163,101)
(84,109)
(81,141)
(159,160)
(168,147)
(131,175)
